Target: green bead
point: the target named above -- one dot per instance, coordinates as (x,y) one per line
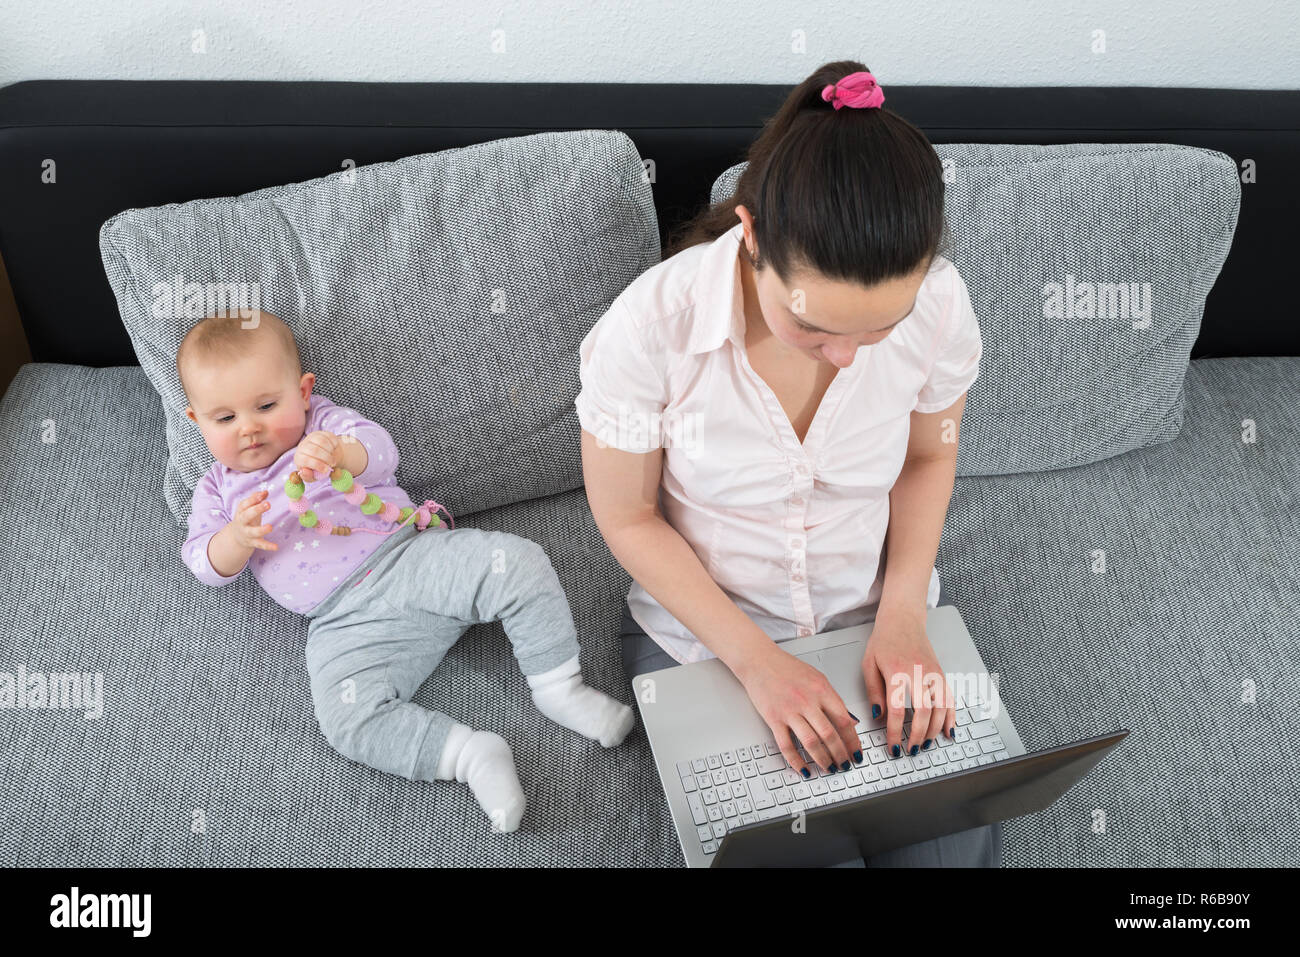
(435,520)
(307,519)
(294,489)
(344,482)
(372,504)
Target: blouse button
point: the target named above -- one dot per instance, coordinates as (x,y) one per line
(804,632)
(798,576)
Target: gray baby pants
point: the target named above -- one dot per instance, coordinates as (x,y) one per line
(379,635)
(977,847)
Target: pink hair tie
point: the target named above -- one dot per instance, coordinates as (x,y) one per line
(857,90)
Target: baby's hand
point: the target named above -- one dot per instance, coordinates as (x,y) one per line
(247,526)
(318,452)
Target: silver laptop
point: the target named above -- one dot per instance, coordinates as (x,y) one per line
(736,802)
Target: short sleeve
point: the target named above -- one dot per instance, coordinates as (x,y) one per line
(622,398)
(381,450)
(956,364)
(208,516)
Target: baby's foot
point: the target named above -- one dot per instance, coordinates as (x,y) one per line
(561,695)
(483,760)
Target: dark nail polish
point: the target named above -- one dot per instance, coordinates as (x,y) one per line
(854,717)
(844,765)
(857,756)
(914,749)
(830,769)
(953,733)
(805,772)
(928,742)
(875,711)
(895,750)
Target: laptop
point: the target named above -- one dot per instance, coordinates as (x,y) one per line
(736,802)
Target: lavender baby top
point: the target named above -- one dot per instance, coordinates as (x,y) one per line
(308,566)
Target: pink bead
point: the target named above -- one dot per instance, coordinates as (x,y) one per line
(323,527)
(298,506)
(390,512)
(356,495)
(421,518)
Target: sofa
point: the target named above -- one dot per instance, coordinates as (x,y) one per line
(207,752)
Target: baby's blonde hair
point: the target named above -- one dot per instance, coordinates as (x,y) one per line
(225,338)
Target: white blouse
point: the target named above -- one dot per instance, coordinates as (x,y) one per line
(791,532)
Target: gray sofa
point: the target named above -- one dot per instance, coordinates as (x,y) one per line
(208,752)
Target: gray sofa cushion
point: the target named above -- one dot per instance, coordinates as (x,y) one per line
(443,295)
(1198,601)
(207,703)
(1031,224)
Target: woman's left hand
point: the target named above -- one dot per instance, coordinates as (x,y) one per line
(899,654)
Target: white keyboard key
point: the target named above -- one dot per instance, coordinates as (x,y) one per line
(989,745)
(744,754)
(715,761)
(768,765)
(697,809)
(733,773)
(710,848)
(982,729)
(1001,755)
(728,757)
(688,785)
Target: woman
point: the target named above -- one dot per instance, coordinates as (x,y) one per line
(758,405)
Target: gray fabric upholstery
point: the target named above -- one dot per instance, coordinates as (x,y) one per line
(207,705)
(1059,392)
(444,294)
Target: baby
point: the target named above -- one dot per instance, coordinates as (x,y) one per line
(384,609)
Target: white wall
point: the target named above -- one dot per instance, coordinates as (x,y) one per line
(1194,43)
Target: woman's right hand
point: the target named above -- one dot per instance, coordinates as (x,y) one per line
(247,527)
(795,698)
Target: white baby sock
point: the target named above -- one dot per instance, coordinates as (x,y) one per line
(561,695)
(482,759)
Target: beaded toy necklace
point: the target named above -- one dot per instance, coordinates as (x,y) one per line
(369,502)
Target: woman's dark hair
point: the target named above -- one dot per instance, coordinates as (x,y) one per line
(855,195)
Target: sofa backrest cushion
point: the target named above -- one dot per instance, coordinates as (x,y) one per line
(443,295)
(1088,265)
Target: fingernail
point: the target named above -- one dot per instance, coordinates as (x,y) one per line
(805,772)
(928,742)
(857,756)
(875,711)
(914,749)
(895,750)
(830,769)
(854,717)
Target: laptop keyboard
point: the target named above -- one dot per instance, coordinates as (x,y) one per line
(752,782)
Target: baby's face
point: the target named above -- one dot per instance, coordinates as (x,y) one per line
(250,411)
